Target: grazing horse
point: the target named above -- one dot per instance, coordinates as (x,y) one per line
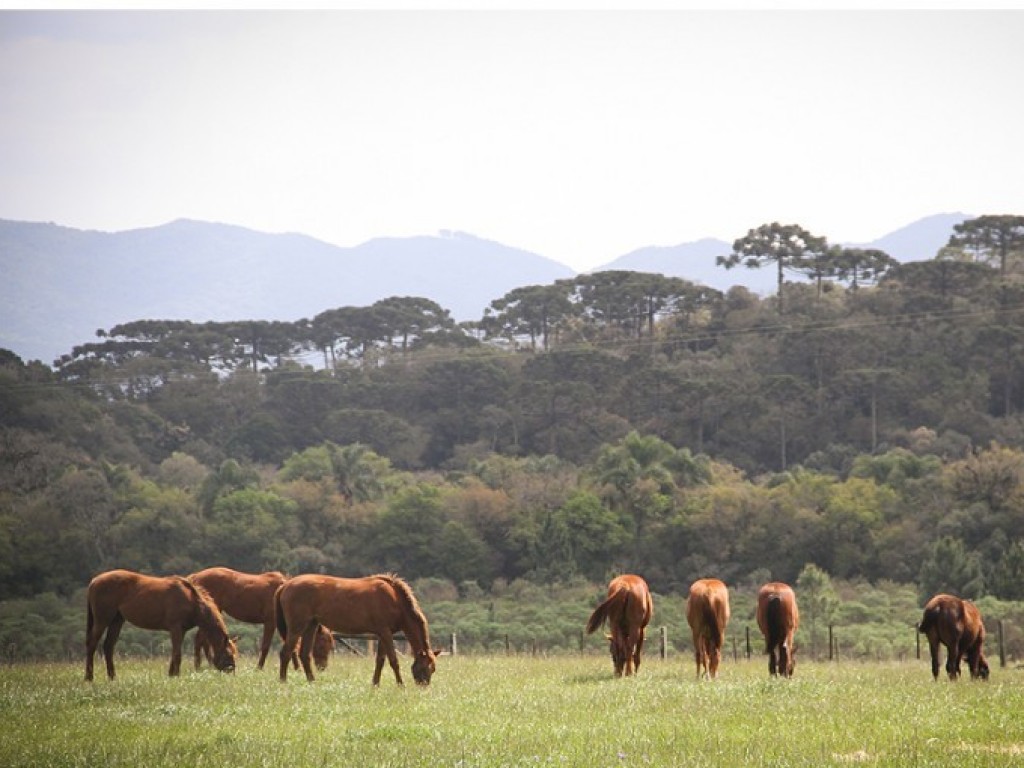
(249,597)
(628,610)
(957,624)
(171,603)
(778,618)
(379,605)
(707,613)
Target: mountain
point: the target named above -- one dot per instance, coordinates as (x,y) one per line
(695,261)
(60,285)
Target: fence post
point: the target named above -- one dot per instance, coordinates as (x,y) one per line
(454,644)
(582,641)
(917,641)
(508,646)
(831,643)
(664,642)
(735,652)
(1002,649)
(748,643)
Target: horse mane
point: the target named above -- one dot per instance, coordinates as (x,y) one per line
(207,606)
(412,605)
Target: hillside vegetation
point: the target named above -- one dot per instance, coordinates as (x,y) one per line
(866,423)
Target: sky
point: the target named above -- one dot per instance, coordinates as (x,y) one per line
(579,134)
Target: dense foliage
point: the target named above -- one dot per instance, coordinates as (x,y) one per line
(617,421)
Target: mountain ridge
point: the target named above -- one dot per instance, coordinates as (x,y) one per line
(61,284)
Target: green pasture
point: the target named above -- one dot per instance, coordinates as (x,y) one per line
(510,711)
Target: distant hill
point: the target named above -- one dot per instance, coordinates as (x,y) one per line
(60,284)
(696,261)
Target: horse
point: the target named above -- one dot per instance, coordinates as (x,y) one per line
(957,624)
(628,610)
(778,618)
(707,613)
(249,597)
(171,603)
(379,605)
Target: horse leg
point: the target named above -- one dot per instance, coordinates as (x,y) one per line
(386,648)
(200,647)
(639,648)
(714,658)
(784,660)
(288,652)
(94,632)
(177,638)
(113,631)
(268,636)
(306,649)
(772,663)
(933,650)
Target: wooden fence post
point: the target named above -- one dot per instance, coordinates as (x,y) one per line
(831,643)
(664,642)
(917,641)
(454,645)
(508,646)
(1002,649)
(748,643)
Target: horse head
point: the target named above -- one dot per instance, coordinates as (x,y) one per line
(980,671)
(619,654)
(423,666)
(225,654)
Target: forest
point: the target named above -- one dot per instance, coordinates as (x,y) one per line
(866,421)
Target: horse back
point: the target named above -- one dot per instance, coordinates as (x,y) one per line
(777,614)
(149,602)
(347,606)
(628,604)
(949,619)
(248,597)
(707,609)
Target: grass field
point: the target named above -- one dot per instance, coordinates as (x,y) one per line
(509,711)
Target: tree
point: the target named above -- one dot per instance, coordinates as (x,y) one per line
(990,239)
(788,247)
(818,601)
(860,265)
(534,310)
(949,567)
(358,472)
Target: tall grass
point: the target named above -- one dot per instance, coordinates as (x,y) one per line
(510,711)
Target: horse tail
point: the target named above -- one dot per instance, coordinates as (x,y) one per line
(773,620)
(928,621)
(715,631)
(279,613)
(597,618)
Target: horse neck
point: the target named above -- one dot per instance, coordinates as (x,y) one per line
(207,616)
(414,622)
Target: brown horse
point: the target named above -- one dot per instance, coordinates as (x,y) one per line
(628,610)
(778,618)
(171,603)
(957,624)
(247,597)
(707,613)
(378,605)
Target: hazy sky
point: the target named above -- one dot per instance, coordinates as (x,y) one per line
(580,135)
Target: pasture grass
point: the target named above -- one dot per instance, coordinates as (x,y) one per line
(509,711)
